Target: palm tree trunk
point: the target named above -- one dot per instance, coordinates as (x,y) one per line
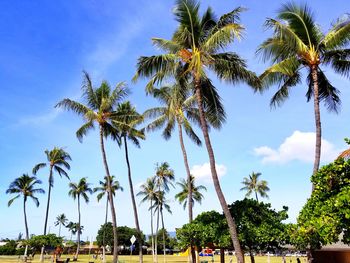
(164,248)
(48,200)
(78,236)
(152,234)
(59,230)
(104,234)
(256,196)
(230,220)
(252,259)
(110,197)
(156,237)
(189,186)
(26,226)
(317,120)
(47,212)
(133,201)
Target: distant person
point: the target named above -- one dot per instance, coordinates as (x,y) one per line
(298,260)
(284,259)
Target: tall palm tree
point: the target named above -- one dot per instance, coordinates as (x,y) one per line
(298,43)
(61,220)
(25,186)
(159,205)
(163,179)
(125,122)
(99,109)
(253,184)
(178,110)
(103,189)
(77,190)
(196,195)
(57,160)
(197,45)
(148,192)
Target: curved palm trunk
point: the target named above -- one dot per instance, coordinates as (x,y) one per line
(189,186)
(26,226)
(152,234)
(78,236)
(164,252)
(256,196)
(230,220)
(317,121)
(110,196)
(133,201)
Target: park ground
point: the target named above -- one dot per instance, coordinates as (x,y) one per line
(148,259)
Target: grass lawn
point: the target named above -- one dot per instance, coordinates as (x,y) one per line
(148,259)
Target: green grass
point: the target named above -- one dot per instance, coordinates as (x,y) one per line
(148,259)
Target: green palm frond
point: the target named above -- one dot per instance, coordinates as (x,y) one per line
(74,106)
(166,45)
(38,167)
(339,60)
(339,35)
(327,92)
(84,129)
(88,91)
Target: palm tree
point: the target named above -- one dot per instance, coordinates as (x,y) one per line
(125,122)
(163,178)
(178,110)
(25,185)
(61,220)
(100,110)
(74,228)
(148,192)
(252,184)
(196,45)
(159,204)
(103,189)
(77,190)
(57,160)
(298,43)
(196,195)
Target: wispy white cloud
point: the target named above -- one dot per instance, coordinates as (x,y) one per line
(40,119)
(202,172)
(299,146)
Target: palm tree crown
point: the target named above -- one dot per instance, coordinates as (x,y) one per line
(182,196)
(164,176)
(61,220)
(25,186)
(102,188)
(253,184)
(80,189)
(298,43)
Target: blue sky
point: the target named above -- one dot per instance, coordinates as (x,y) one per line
(43,51)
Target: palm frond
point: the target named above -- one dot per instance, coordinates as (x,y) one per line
(339,35)
(339,60)
(84,129)
(37,167)
(166,45)
(74,106)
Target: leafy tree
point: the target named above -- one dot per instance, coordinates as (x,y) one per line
(298,43)
(57,160)
(99,109)
(252,184)
(126,121)
(25,186)
(148,192)
(325,218)
(259,226)
(124,235)
(196,195)
(207,229)
(74,228)
(196,46)
(49,241)
(61,220)
(77,190)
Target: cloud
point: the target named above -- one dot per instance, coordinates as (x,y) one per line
(202,172)
(299,146)
(39,119)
